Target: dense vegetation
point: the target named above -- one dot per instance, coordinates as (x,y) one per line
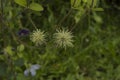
(59,39)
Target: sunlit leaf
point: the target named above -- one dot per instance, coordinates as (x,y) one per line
(21,2)
(75,3)
(20,48)
(8,50)
(98,9)
(36,7)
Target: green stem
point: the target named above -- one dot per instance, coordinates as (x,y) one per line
(32,22)
(67,15)
(88,13)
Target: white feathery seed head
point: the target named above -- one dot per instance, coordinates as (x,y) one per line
(37,37)
(63,38)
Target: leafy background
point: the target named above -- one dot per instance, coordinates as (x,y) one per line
(94,23)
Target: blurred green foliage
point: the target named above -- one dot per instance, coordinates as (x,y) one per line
(94,23)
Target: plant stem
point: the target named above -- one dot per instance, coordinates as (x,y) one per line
(32,22)
(67,15)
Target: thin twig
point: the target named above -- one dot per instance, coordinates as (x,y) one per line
(32,22)
(67,15)
(74,26)
(92,4)
(64,18)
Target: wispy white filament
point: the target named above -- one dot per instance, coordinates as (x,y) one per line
(38,37)
(63,38)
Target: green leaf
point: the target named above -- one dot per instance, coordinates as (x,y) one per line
(3,69)
(21,2)
(80,77)
(84,1)
(75,3)
(2,57)
(8,50)
(36,7)
(19,62)
(20,48)
(79,15)
(98,9)
(20,55)
(95,3)
(89,2)
(97,18)
(21,77)
(70,77)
